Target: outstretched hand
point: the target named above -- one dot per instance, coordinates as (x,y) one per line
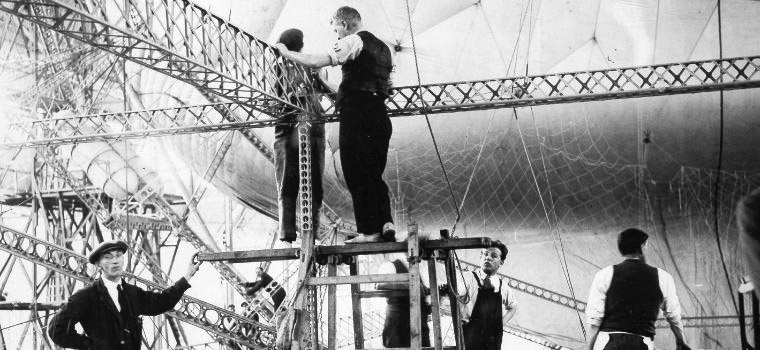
(193,266)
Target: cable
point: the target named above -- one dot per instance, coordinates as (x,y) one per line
(29,320)
(464,299)
(561,251)
(477,161)
(427,119)
(716,193)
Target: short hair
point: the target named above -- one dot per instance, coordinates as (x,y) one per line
(349,15)
(292,38)
(630,241)
(502,248)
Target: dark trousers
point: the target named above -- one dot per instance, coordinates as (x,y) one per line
(286,175)
(621,341)
(365,131)
(397,328)
(478,336)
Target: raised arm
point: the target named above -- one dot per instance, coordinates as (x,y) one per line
(306,59)
(154,303)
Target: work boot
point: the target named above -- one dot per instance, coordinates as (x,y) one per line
(362,238)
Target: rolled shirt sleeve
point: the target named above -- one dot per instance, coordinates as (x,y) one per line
(671,307)
(345,49)
(597,296)
(508,302)
(507,297)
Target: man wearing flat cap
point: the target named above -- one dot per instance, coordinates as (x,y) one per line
(625,300)
(109,310)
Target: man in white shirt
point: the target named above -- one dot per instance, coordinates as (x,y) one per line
(748,220)
(625,300)
(365,129)
(490,301)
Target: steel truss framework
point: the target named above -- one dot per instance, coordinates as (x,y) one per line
(178,39)
(202,68)
(190,310)
(535,290)
(94,203)
(66,221)
(617,83)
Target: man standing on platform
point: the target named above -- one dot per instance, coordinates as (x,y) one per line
(109,310)
(490,301)
(286,148)
(625,300)
(365,129)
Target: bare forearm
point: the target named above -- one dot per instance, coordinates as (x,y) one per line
(508,315)
(678,334)
(308,60)
(592,334)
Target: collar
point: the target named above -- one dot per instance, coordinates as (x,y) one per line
(109,284)
(482,275)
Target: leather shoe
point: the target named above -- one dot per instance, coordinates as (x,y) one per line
(389,232)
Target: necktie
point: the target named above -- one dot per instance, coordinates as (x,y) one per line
(487,283)
(122,299)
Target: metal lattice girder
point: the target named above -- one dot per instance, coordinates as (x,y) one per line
(618,83)
(535,339)
(705,322)
(534,290)
(595,85)
(137,124)
(179,39)
(193,311)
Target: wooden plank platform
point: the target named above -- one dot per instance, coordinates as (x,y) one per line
(243,256)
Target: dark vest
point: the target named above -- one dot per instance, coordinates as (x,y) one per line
(370,70)
(633,299)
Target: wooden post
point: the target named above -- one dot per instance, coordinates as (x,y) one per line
(435,302)
(314,304)
(356,302)
(332,269)
(415,317)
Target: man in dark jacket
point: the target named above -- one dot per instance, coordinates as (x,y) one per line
(365,129)
(109,310)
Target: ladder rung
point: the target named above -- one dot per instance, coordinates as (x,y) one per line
(383,293)
(321,281)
